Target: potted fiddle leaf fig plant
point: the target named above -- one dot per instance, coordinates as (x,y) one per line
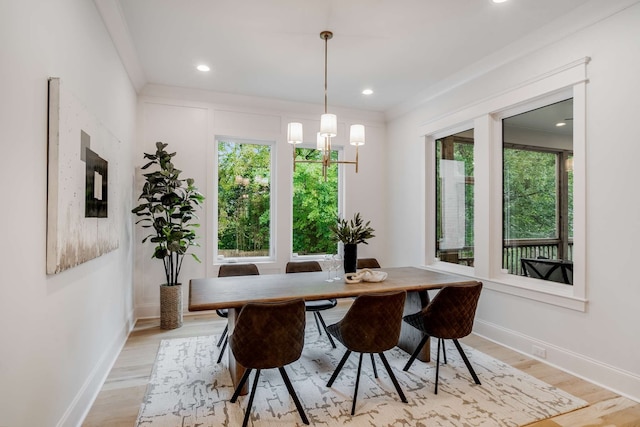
(168,208)
(351,233)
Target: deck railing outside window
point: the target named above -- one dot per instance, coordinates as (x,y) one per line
(513,250)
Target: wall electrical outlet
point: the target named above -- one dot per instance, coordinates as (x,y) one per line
(539,352)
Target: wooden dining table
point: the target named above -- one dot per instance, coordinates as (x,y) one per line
(233,293)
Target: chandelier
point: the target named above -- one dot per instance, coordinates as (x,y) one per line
(328,129)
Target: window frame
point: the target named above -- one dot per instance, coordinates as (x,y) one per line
(432,183)
(341,186)
(430,212)
(556,293)
(485,116)
(214,260)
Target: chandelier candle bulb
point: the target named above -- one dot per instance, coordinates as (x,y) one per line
(356,135)
(320,142)
(294,133)
(329,125)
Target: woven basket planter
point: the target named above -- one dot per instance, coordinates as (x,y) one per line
(170,306)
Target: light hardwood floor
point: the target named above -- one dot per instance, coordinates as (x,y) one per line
(119,400)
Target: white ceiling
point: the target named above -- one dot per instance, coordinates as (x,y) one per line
(402,49)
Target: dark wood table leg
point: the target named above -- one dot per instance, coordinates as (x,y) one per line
(410,337)
(235,369)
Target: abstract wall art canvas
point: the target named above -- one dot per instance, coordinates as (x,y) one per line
(82,208)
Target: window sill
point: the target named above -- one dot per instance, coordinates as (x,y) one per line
(239,260)
(537,290)
(544,293)
(448,267)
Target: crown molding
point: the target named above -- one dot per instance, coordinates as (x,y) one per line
(118,29)
(582,17)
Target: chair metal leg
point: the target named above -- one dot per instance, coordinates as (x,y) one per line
(444,351)
(373,363)
(224,334)
(355,392)
(243,380)
(315,317)
(224,346)
(340,365)
(285,377)
(466,362)
(423,341)
(437,366)
(324,326)
(251,396)
(394,380)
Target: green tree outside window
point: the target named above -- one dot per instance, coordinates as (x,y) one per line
(244,199)
(315,204)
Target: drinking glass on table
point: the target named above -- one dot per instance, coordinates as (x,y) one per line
(337,263)
(328,262)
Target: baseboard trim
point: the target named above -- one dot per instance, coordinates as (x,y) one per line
(152,311)
(84,400)
(619,381)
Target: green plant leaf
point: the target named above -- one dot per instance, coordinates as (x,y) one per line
(168,207)
(353,231)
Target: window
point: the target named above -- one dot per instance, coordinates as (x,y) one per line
(506,138)
(454,198)
(244,199)
(315,204)
(538,193)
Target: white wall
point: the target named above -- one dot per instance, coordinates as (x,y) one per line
(189,120)
(602,343)
(60,333)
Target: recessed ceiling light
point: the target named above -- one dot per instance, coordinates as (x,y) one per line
(367,92)
(499,1)
(203,67)
(560,124)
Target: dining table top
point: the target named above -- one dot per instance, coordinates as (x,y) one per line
(234,292)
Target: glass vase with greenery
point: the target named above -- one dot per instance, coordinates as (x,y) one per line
(350,233)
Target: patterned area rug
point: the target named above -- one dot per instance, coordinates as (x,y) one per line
(187,388)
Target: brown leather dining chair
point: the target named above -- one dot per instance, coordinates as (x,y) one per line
(367,263)
(277,331)
(449,316)
(228,270)
(372,325)
(303,267)
(314,306)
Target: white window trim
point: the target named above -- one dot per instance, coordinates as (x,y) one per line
(562,83)
(213,238)
(430,213)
